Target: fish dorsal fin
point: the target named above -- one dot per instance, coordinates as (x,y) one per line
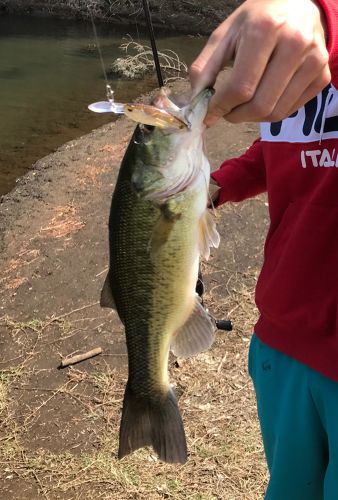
(107,299)
(196,335)
(209,236)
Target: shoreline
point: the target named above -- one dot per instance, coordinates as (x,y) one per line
(74,176)
(182,16)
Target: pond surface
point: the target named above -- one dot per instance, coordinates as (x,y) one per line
(49,73)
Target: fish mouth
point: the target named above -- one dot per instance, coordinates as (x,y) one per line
(206,94)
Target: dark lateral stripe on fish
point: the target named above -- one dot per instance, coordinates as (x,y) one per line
(155,423)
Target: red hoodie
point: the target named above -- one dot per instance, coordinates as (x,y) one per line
(296,162)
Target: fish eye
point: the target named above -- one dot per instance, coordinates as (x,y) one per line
(148,128)
(130,110)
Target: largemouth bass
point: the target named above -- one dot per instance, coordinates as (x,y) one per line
(159,226)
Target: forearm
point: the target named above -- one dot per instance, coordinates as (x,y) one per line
(240,178)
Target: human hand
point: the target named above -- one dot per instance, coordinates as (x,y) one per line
(279,57)
(213,192)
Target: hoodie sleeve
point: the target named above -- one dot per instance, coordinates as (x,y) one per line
(243,177)
(330,9)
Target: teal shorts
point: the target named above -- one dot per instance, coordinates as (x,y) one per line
(298,414)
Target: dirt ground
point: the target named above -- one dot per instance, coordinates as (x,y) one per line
(59,428)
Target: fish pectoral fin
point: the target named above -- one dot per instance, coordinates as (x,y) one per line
(196,335)
(107,299)
(160,235)
(208,234)
(163,227)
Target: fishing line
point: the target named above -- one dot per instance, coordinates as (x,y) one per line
(109,91)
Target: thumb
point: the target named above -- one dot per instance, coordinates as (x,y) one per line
(212,59)
(216,110)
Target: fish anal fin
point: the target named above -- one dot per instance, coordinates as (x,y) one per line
(107,299)
(196,335)
(152,422)
(208,234)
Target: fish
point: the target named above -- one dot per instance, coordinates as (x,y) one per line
(159,227)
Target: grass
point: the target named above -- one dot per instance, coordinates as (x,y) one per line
(84,402)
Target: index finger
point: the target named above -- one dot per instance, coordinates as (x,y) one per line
(213,58)
(253,53)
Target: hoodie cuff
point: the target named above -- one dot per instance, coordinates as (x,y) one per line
(330,9)
(223,195)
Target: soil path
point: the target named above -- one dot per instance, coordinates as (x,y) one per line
(53,241)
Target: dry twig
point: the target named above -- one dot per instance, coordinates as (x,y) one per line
(80,357)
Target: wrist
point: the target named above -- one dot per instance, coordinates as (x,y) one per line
(323,19)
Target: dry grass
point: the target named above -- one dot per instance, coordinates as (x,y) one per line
(216,400)
(90,177)
(65,223)
(12,276)
(138,61)
(14,283)
(116,151)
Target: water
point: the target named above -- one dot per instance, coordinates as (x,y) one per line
(49,74)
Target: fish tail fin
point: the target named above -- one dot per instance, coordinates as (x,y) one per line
(152,423)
